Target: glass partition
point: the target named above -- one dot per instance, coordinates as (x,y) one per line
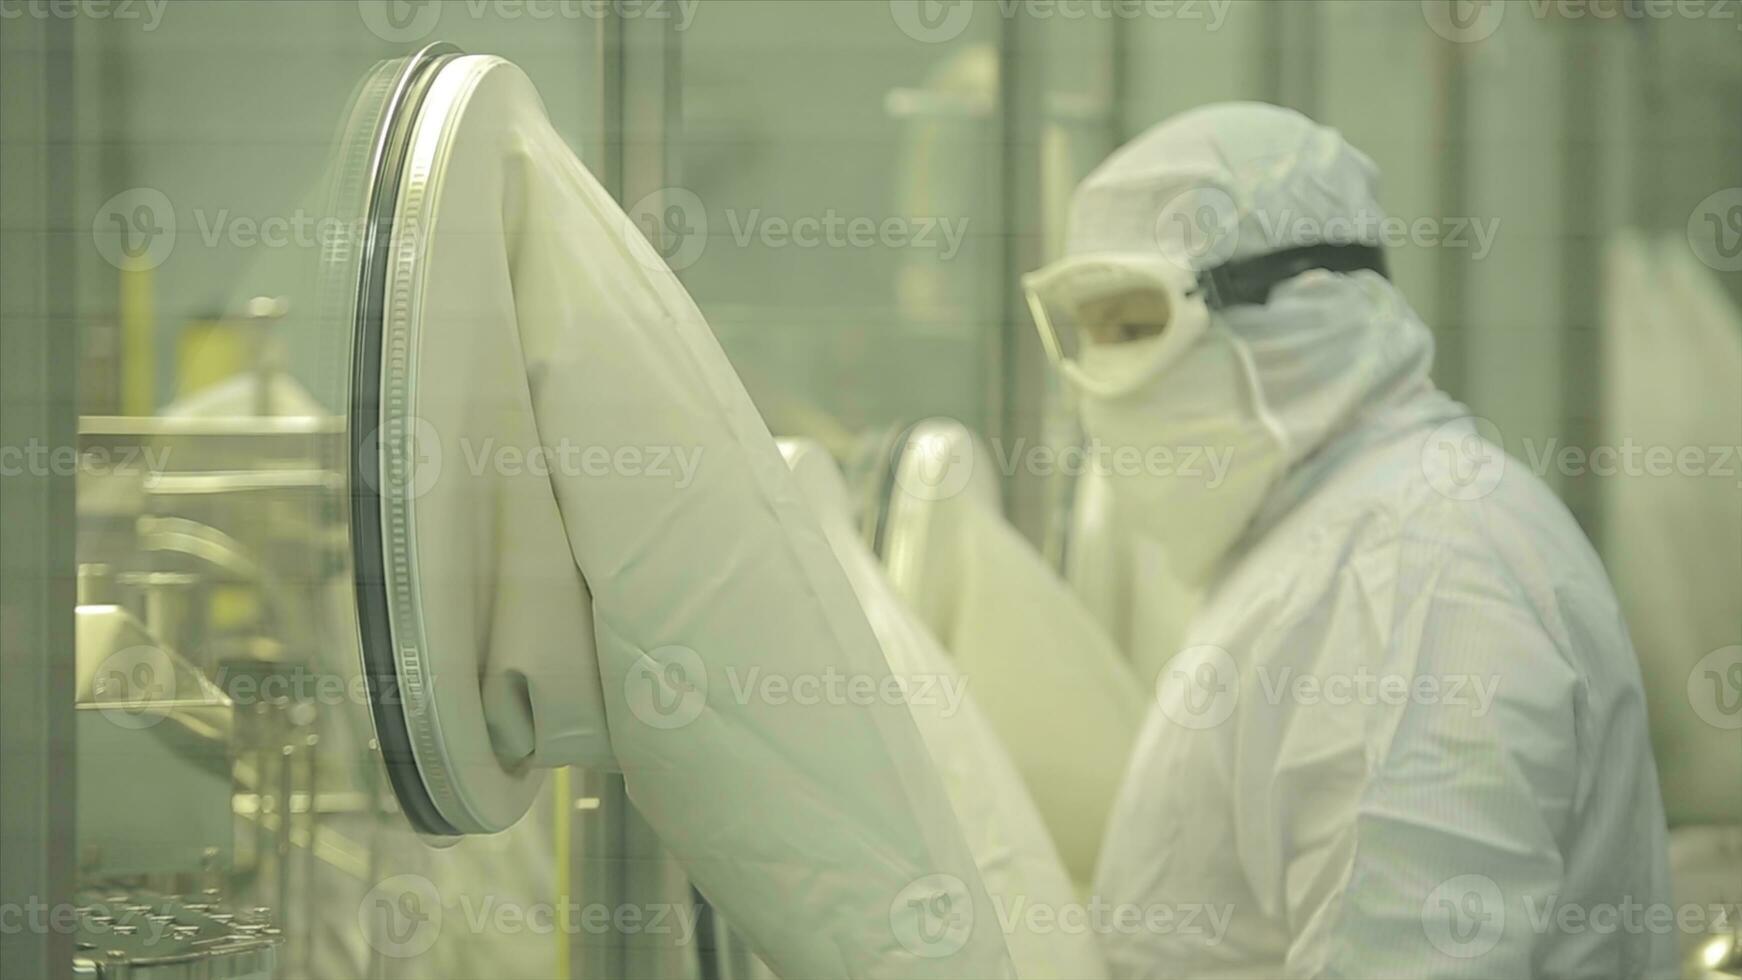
(851,191)
(232,804)
(846,191)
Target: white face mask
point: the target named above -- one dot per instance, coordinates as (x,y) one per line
(1192,451)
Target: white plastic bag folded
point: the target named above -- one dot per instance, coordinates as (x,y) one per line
(820,829)
(1673,536)
(1121,576)
(1053,685)
(1046,927)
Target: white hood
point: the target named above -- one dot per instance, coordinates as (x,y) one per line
(1328,351)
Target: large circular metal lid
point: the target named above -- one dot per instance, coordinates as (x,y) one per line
(376,143)
(476,623)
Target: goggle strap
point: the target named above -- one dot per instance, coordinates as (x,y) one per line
(1249,282)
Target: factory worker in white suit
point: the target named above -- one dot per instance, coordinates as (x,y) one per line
(1406,728)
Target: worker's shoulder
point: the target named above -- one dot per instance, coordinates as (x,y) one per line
(1392,527)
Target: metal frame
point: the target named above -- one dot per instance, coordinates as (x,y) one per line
(38,406)
(1453,313)
(620,859)
(1583,223)
(1017,379)
(381,650)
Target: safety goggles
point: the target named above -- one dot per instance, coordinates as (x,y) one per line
(1112,321)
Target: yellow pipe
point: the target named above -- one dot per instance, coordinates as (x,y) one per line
(138,350)
(564,811)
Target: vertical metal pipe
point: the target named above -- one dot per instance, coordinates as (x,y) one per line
(620,860)
(593,867)
(1452,265)
(1582,236)
(1016,377)
(38,385)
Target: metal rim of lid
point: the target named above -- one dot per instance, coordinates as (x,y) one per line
(390,645)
